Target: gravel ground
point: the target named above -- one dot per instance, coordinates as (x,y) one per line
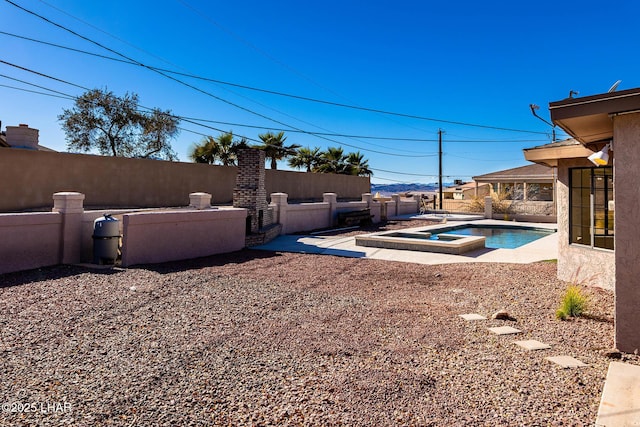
(262,338)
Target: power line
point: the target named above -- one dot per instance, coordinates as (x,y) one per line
(64,95)
(389,138)
(300,130)
(192,86)
(252,46)
(478,160)
(41,74)
(34,91)
(241,86)
(402,173)
(107,33)
(70,97)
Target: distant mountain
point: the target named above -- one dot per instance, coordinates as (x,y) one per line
(388,189)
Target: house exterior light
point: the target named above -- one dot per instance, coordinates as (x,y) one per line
(601,158)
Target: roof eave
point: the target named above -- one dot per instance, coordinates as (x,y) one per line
(588,119)
(549,156)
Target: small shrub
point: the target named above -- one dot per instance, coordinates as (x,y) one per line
(573,304)
(500,203)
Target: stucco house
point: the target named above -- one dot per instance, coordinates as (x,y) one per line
(531,182)
(466,191)
(23,137)
(598,205)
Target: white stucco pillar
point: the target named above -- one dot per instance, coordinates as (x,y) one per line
(200,200)
(70,205)
(488,207)
(396,204)
(280,203)
(332,200)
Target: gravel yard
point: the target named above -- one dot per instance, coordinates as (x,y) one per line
(260,338)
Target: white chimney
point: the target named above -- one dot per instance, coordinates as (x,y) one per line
(22,137)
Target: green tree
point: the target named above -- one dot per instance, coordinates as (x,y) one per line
(274,148)
(305,157)
(332,161)
(226,153)
(114,126)
(158,128)
(224,149)
(357,164)
(204,152)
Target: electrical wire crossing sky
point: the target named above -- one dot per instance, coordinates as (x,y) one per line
(379,79)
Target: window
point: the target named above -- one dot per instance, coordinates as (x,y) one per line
(590,219)
(540,192)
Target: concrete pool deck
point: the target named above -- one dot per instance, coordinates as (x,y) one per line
(542,249)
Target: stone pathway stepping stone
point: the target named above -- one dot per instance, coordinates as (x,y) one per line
(566,361)
(620,404)
(505,330)
(472,316)
(532,345)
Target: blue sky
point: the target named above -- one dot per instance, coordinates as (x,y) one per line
(474,62)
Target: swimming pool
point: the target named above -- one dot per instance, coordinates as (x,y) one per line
(496,237)
(455,239)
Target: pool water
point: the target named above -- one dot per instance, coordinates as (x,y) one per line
(502,237)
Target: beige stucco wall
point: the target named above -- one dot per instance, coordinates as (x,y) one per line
(407,206)
(152,237)
(626,149)
(29,241)
(305,186)
(579,262)
(306,216)
(29,178)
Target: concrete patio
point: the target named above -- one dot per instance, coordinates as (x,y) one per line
(542,249)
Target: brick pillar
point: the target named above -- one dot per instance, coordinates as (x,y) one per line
(249,192)
(70,205)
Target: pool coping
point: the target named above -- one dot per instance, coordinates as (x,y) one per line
(456,245)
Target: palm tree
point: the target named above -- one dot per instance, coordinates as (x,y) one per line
(274,148)
(205,152)
(332,161)
(358,165)
(305,157)
(226,153)
(223,149)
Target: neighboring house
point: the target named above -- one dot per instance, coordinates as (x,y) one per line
(527,183)
(466,191)
(599,238)
(22,137)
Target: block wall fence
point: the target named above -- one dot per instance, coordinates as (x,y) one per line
(30,178)
(64,235)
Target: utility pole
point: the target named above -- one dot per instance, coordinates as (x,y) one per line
(440,167)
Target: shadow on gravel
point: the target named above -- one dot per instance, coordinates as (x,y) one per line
(61,271)
(238,257)
(49,273)
(598,318)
